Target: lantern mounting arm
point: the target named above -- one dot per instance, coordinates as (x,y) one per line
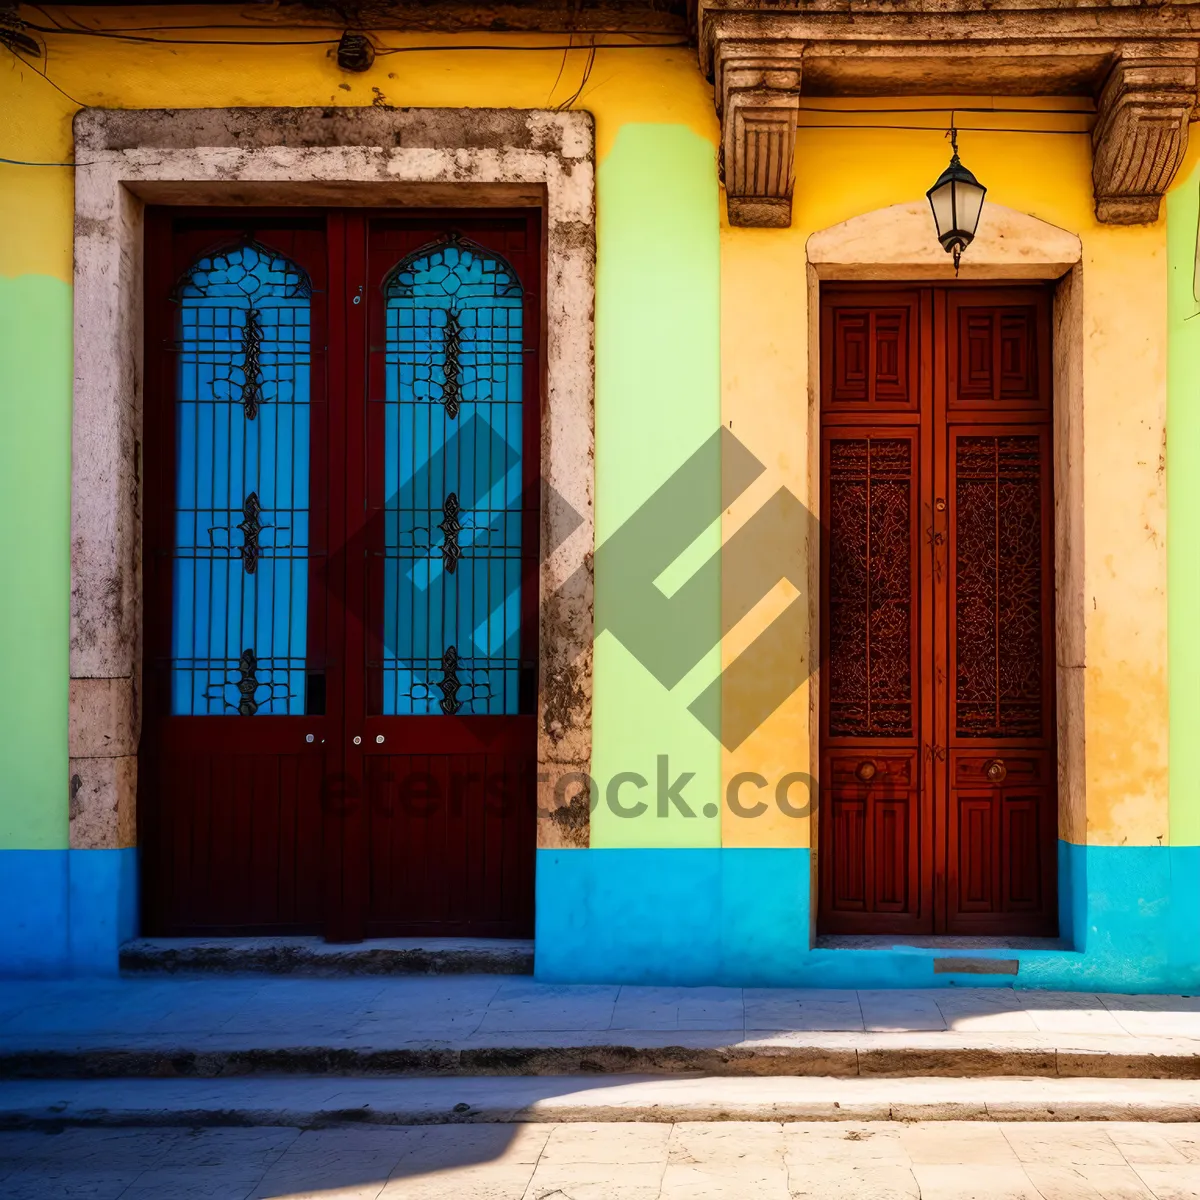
(952,133)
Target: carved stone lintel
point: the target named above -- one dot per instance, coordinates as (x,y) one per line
(1141,132)
(758,97)
(1139,57)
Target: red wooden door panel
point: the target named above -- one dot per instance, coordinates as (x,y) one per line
(871,661)
(871,834)
(872,352)
(998,351)
(241,693)
(452,740)
(938,810)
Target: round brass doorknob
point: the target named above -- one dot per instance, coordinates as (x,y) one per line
(995,770)
(866,770)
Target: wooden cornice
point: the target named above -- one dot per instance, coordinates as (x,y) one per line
(1137,61)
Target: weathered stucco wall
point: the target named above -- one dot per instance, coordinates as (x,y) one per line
(699,327)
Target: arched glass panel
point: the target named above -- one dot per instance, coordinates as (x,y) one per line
(240,582)
(453,430)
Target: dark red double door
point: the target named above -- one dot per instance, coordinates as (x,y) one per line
(938,809)
(341,533)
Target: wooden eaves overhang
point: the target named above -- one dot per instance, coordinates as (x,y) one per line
(1136,58)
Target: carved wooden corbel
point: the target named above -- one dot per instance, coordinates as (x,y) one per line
(1141,132)
(758,94)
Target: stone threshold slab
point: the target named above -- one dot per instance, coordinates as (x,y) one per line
(309,1102)
(815,1054)
(315,957)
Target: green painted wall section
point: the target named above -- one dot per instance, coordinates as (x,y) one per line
(657,400)
(35,538)
(1183,511)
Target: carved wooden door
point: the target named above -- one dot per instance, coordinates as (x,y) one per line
(342,427)
(938,782)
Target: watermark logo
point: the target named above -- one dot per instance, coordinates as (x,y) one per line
(669,635)
(669,632)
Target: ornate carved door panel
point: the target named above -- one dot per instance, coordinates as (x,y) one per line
(938,803)
(342,462)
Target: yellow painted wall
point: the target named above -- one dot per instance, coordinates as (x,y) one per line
(764,316)
(660,86)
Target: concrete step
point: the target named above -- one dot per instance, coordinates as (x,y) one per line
(840,1055)
(312,956)
(308,1102)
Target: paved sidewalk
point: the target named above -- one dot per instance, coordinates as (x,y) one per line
(480,1024)
(723,1161)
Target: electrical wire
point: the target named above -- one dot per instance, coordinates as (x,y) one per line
(34,67)
(21,162)
(587,74)
(572,46)
(961,129)
(562,66)
(956,108)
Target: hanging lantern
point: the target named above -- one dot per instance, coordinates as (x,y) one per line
(957,201)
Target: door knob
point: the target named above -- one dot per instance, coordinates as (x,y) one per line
(357,740)
(865,770)
(995,770)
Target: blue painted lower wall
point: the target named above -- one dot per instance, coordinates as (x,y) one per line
(65,912)
(742,917)
(736,917)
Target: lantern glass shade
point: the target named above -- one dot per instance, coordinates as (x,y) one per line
(957,201)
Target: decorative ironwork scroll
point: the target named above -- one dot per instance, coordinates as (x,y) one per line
(998,587)
(247,684)
(450,703)
(251,527)
(252,335)
(870,587)
(451,527)
(451,349)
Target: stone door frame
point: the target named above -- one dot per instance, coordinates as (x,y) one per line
(313,156)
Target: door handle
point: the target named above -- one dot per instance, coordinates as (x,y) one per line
(357,740)
(865,770)
(995,770)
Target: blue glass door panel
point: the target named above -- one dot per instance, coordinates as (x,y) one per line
(453,463)
(241,553)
